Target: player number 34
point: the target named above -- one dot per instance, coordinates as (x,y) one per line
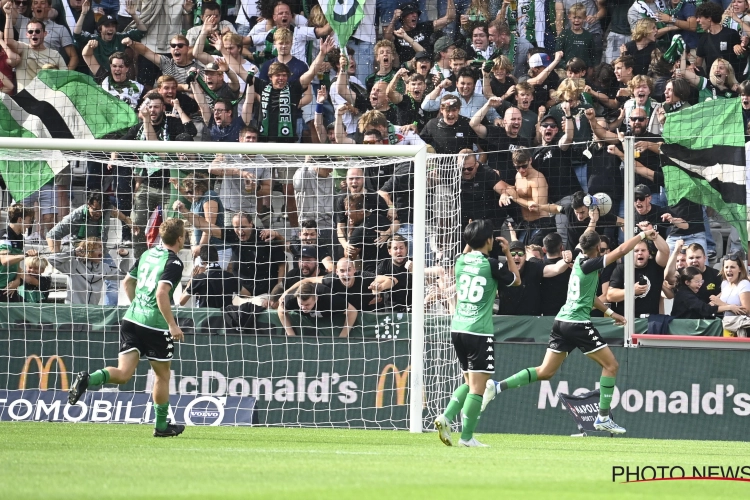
(471,288)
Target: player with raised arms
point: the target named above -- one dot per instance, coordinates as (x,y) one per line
(573,328)
(148,327)
(472,332)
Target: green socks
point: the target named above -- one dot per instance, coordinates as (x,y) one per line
(524,377)
(472,408)
(161,412)
(456,402)
(99,377)
(606,389)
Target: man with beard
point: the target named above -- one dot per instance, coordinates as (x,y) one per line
(368,231)
(351,284)
(309,236)
(308,266)
(409,105)
(502,141)
(212,86)
(551,159)
(221,121)
(109,41)
(659,217)
(178,66)
(471,102)
(479,186)
(117,83)
(696,257)
(649,276)
(408,14)
(315,301)
(355,184)
(398,268)
(55,36)
(509,44)
(33,55)
(450,132)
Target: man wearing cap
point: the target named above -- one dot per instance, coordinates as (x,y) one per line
(543,77)
(471,101)
(56,36)
(659,217)
(552,160)
(443,48)
(408,13)
(210,88)
(308,266)
(509,44)
(450,131)
(409,105)
(108,40)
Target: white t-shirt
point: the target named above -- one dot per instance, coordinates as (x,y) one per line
(731,294)
(232,192)
(32,61)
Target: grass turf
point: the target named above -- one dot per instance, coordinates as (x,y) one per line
(46,460)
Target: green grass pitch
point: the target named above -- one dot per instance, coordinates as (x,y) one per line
(91,461)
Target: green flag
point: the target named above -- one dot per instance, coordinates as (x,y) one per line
(703,159)
(344,17)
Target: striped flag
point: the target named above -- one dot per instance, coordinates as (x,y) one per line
(703,159)
(152,228)
(57,104)
(344,17)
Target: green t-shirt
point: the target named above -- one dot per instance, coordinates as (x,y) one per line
(156,265)
(12,244)
(107,48)
(708,91)
(579,45)
(582,289)
(477,277)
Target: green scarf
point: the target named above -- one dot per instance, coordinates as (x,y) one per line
(675,50)
(149,159)
(392,137)
(285,127)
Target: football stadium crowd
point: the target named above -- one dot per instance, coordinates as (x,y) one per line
(531,99)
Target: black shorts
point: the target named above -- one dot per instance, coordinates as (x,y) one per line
(476,353)
(155,345)
(566,336)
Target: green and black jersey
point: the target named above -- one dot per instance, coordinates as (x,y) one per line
(582,287)
(155,266)
(477,277)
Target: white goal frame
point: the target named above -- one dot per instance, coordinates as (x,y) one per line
(418,153)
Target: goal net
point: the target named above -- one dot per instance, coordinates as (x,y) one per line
(316,279)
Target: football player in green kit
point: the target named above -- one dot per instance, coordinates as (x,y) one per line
(148,327)
(477,278)
(573,328)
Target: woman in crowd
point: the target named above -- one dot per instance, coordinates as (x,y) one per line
(687,304)
(721,82)
(642,45)
(86,271)
(735,291)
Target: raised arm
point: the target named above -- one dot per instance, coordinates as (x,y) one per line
(325,47)
(401,33)
(671,268)
(142,50)
(209,24)
(476,120)
(8,32)
(339,128)
(247,107)
(130,8)
(600,132)
(394,95)
(85,8)
(320,127)
(449,17)
(89,58)
(342,82)
(200,98)
(539,79)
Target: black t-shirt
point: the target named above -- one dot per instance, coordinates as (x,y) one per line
(391,114)
(500,88)
(478,197)
(449,139)
(255,262)
(359,294)
(420,34)
(295,95)
(294,276)
(213,288)
(326,306)
(711,284)
(652,276)
(654,218)
(502,157)
(604,277)
(554,290)
(690,212)
(524,300)
(606,225)
(554,164)
(399,297)
(543,90)
(721,45)
(400,187)
(373,201)
(363,238)
(651,161)
(642,57)
(410,111)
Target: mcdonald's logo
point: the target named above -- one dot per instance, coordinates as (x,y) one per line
(400,381)
(44,369)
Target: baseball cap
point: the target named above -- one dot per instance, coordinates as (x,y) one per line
(517,245)
(408,8)
(422,55)
(539,60)
(105,20)
(212,66)
(549,116)
(442,44)
(309,251)
(642,190)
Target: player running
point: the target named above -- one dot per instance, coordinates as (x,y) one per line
(148,327)
(472,332)
(573,328)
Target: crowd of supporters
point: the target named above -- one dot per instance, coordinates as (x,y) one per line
(533,102)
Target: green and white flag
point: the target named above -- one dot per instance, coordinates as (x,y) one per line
(344,17)
(57,104)
(703,159)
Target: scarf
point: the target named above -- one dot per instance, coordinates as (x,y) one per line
(675,50)
(128,91)
(732,24)
(645,10)
(285,126)
(70,18)
(393,138)
(512,50)
(153,163)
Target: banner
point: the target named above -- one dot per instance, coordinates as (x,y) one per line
(584,409)
(114,407)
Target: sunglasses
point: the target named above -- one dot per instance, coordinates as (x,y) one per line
(548,125)
(517,254)
(467,169)
(369,142)
(34,32)
(603,249)
(177,45)
(637,118)
(640,198)
(734,258)
(521,167)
